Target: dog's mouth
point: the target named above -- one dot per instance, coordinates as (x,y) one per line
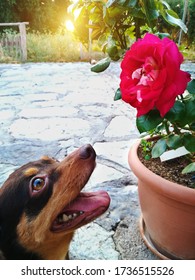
(86,206)
(84,209)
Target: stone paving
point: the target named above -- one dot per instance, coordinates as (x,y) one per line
(52,109)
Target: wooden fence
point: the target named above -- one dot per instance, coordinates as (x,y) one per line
(14,44)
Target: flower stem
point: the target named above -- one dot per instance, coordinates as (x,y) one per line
(165,122)
(176,129)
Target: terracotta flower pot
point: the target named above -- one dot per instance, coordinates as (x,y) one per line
(168,212)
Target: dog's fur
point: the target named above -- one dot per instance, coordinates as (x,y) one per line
(33,199)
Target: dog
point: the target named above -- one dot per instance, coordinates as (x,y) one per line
(41,206)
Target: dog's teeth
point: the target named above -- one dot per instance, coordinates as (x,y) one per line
(65,218)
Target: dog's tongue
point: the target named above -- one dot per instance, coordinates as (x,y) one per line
(90,201)
(84,209)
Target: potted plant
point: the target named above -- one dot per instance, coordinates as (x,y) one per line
(164,96)
(152,82)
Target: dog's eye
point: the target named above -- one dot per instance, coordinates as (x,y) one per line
(38,184)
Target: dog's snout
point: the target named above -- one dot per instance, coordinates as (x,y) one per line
(87,151)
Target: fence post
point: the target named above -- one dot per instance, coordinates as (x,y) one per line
(22,29)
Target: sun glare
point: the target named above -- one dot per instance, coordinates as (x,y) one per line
(69,25)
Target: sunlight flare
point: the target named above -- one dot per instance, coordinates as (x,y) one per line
(69,25)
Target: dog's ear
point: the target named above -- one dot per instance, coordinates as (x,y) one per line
(1,233)
(1,253)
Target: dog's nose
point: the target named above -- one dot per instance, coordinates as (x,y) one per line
(87,151)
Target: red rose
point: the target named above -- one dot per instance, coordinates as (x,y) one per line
(151,76)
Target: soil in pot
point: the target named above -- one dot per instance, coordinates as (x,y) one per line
(170,170)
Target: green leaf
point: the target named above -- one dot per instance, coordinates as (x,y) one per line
(150,11)
(110,3)
(189,142)
(174,141)
(130,32)
(177,112)
(191,87)
(101,65)
(121,2)
(189,168)
(148,121)
(162,35)
(95,33)
(112,49)
(131,3)
(102,41)
(113,13)
(159,148)
(117,95)
(147,157)
(192,126)
(190,111)
(171,17)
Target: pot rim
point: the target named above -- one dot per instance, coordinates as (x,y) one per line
(169,189)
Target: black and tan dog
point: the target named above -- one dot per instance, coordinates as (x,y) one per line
(41,205)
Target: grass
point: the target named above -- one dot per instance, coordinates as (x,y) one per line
(52,48)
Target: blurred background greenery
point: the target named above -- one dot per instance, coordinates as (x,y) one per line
(77,30)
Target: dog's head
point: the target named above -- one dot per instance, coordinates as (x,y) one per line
(41,205)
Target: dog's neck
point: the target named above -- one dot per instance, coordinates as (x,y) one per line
(57,251)
(18,253)
(53,252)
